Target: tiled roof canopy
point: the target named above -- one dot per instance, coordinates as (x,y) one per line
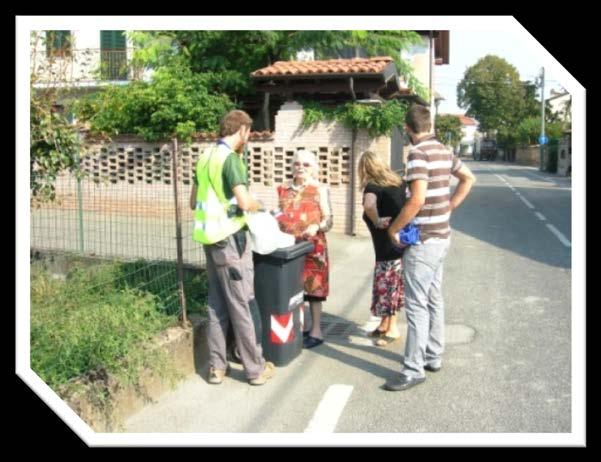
(331,66)
(467,120)
(356,78)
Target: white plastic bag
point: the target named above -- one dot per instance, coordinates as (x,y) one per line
(265,233)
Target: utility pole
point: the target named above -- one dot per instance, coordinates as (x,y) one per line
(542,105)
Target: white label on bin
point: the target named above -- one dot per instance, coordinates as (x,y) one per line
(296,300)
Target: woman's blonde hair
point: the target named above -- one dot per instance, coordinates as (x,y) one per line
(373,170)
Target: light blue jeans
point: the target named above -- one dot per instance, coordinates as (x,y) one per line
(424,306)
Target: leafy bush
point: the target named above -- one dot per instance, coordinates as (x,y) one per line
(376,119)
(176,103)
(448,129)
(89,323)
(528,130)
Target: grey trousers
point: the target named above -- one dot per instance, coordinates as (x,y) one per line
(231,287)
(424,306)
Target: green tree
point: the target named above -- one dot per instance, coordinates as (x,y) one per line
(528,130)
(233,55)
(491,91)
(531,102)
(199,75)
(377,120)
(54,141)
(448,129)
(176,103)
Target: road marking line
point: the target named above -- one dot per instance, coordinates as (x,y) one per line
(540,216)
(329,409)
(501,178)
(525,201)
(559,236)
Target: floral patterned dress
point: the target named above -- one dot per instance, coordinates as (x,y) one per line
(301,208)
(388,293)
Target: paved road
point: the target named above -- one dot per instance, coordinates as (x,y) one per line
(508,357)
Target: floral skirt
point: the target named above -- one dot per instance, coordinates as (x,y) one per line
(316,272)
(388,295)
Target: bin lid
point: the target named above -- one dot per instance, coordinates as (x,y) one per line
(294,251)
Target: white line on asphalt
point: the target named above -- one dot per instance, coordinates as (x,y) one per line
(557,180)
(525,201)
(559,236)
(501,178)
(329,410)
(540,216)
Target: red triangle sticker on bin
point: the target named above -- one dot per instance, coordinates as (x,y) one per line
(281,329)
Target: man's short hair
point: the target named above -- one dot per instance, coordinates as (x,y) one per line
(232,122)
(418,119)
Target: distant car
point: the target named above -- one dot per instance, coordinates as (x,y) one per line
(488,150)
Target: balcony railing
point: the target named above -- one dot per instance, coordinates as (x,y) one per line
(86,66)
(113,65)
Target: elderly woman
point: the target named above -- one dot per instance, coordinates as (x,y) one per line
(307,214)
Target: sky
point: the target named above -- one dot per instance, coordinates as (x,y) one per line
(467,46)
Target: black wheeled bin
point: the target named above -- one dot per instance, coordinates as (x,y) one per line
(279,294)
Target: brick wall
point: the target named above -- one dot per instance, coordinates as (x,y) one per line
(130,177)
(528,155)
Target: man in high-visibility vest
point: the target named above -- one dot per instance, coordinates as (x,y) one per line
(220,197)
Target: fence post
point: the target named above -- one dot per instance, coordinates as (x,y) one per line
(80,214)
(79,199)
(178,234)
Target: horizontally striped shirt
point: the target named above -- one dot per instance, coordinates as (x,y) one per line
(430,160)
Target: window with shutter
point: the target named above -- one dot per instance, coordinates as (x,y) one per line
(113,55)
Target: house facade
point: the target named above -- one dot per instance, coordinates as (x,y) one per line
(369,80)
(83,59)
(561,103)
(469,128)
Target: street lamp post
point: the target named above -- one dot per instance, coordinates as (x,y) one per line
(542,129)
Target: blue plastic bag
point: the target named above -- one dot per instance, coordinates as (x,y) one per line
(409,235)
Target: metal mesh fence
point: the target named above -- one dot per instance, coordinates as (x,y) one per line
(123,210)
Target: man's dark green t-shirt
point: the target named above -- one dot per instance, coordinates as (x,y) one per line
(234,173)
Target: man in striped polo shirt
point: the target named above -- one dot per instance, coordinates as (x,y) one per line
(429,168)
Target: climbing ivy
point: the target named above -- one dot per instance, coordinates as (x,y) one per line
(377,119)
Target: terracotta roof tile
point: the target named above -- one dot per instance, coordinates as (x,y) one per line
(467,120)
(331,66)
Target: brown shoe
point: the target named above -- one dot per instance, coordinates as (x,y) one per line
(268,373)
(216,375)
(386,340)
